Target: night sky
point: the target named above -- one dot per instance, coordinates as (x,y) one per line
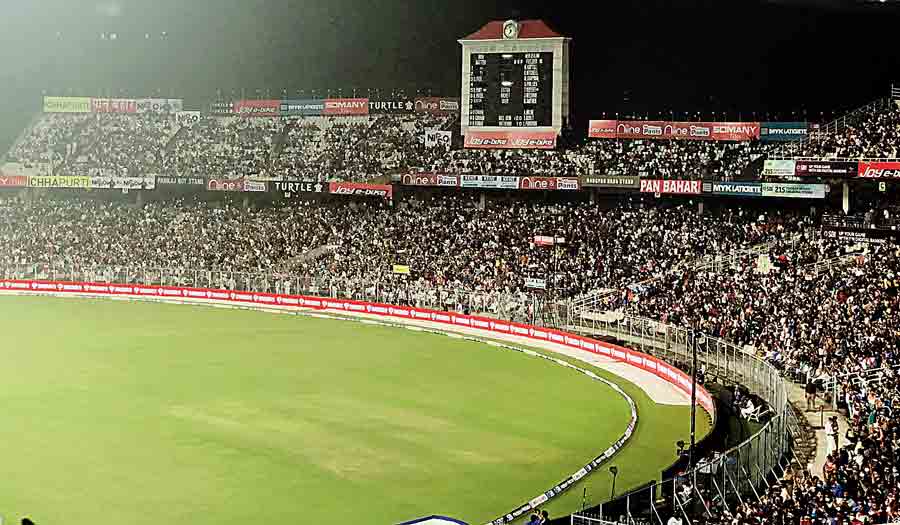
(737,58)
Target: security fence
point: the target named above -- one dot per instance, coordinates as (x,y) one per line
(728,479)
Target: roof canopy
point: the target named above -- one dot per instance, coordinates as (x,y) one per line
(527,29)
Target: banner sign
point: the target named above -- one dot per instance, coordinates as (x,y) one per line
(549,183)
(159,105)
(429,179)
(782,131)
(438,139)
(59,182)
(303,108)
(291,188)
(794,191)
(779,168)
(539,284)
(511,139)
(491,182)
(674,187)
(67,104)
(187,119)
(825,168)
(400,269)
(738,189)
(221,108)
(879,170)
(242,185)
(123,183)
(660,129)
(180,181)
(13,181)
(385,191)
(868,235)
(392,106)
(257,108)
(591,181)
(346,106)
(437,105)
(114,105)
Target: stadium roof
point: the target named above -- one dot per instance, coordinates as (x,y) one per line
(527,29)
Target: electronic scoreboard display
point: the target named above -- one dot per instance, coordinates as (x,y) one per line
(511,90)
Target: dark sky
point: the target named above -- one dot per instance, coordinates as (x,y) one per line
(644,57)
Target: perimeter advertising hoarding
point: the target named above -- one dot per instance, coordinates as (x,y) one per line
(221,108)
(549,183)
(673,187)
(429,179)
(782,131)
(794,191)
(666,130)
(180,181)
(114,105)
(385,191)
(257,108)
(779,168)
(511,139)
(59,182)
(346,106)
(491,182)
(303,107)
(392,106)
(159,105)
(736,189)
(437,105)
(13,181)
(879,170)
(592,181)
(826,168)
(67,104)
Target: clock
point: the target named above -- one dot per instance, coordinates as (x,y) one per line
(510,30)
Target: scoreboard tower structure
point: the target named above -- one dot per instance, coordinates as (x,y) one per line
(515,82)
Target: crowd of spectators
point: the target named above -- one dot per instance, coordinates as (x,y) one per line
(872,133)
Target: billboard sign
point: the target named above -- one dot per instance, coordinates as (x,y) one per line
(735,189)
(437,105)
(257,108)
(667,130)
(303,108)
(385,191)
(826,168)
(511,139)
(392,106)
(879,170)
(782,131)
(779,168)
(67,104)
(672,187)
(592,181)
(429,179)
(114,105)
(346,106)
(794,191)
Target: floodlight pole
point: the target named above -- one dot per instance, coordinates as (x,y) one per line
(693,404)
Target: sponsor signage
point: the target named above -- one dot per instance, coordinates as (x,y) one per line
(738,189)
(825,168)
(492,182)
(879,170)
(123,183)
(660,129)
(303,108)
(221,108)
(159,105)
(794,191)
(67,104)
(346,106)
(395,106)
(291,188)
(549,183)
(779,168)
(257,108)
(59,182)
(114,105)
(187,119)
(429,179)
(674,187)
(511,139)
(385,191)
(437,105)
(868,236)
(438,139)
(180,181)
(591,181)
(13,181)
(225,185)
(782,131)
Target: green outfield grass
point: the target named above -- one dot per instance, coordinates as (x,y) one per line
(143,413)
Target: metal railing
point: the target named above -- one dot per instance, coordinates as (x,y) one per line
(741,474)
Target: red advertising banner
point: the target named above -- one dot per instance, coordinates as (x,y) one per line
(879,170)
(257,108)
(661,369)
(549,183)
(114,105)
(511,139)
(674,187)
(437,105)
(666,130)
(346,106)
(385,191)
(429,179)
(13,181)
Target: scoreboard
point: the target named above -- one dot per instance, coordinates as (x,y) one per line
(511,90)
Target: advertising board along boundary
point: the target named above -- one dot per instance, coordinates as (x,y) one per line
(483,325)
